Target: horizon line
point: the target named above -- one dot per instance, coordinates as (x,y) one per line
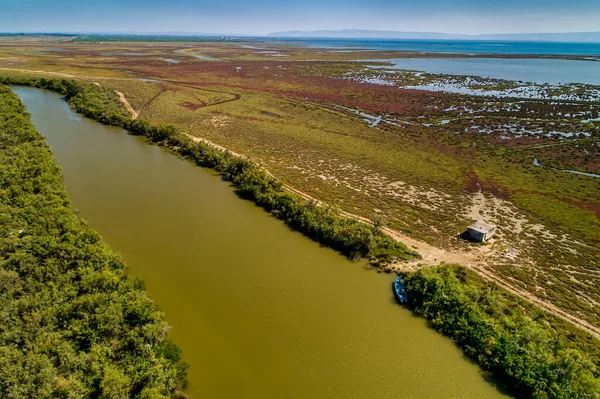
(210,34)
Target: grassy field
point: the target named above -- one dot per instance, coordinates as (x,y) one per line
(430,163)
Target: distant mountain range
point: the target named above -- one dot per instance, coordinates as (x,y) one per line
(577,37)
(566,37)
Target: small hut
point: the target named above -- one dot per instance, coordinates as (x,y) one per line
(480,231)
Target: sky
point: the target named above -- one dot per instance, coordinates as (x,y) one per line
(261,17)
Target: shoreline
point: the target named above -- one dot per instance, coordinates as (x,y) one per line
(432,255)
(68,265)
(173,142)
(448,313)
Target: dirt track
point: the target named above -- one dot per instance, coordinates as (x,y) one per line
(430,255)
(434,256)
(133,112)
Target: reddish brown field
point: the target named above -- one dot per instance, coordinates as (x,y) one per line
(430,163)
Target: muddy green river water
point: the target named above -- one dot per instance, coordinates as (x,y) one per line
(260,311)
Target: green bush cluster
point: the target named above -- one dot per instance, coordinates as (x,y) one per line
(325,225)
(72,324)
(516,344)
(87,99)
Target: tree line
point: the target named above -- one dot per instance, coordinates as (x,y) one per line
(72,323)
(325,225)
(531,352)
(514,340)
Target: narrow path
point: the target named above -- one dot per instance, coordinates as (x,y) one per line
(432,255)
(473,260)
(133,112)
(235,97)
(216,146)
(475,212)
(153,98)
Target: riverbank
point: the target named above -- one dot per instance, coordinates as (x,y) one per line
(259,310)
(504,334)
(73,324)
(325,225)
(230,170)
(431,255)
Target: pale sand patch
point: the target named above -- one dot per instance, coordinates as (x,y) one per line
(475,260)
(133,112)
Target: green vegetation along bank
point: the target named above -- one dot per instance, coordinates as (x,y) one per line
(505,335)
(72,324)
(323,224)
(537,355)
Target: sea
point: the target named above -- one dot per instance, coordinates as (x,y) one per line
(543,67)
(536,70)
(454,46)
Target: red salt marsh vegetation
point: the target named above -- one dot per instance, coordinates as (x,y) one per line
(429,163)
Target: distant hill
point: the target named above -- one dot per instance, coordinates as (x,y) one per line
(580,37)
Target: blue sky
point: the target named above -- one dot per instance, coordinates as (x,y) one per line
(265,16)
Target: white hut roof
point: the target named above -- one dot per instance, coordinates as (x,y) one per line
(482,227)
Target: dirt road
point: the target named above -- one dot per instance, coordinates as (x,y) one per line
(431,255)
(133,112)
(475,260)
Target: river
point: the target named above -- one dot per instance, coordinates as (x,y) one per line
(259,311)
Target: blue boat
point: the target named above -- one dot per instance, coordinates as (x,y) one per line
(400,291)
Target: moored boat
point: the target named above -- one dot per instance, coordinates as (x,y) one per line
(400,291)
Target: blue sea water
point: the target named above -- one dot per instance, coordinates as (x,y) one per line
(537,70)
(454,46)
